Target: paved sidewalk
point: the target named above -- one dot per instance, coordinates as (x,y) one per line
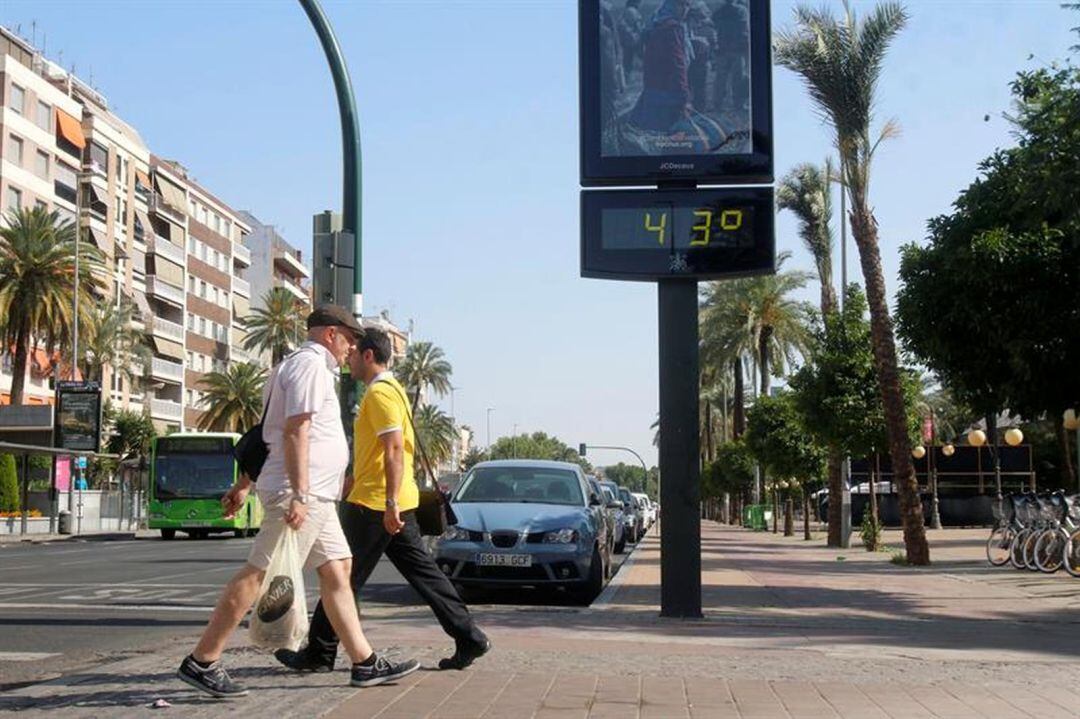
(791,629)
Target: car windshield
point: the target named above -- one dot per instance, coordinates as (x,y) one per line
(625,496)
(521,484)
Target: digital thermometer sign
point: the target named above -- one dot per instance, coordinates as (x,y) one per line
(656,234)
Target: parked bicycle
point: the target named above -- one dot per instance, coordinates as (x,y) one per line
(1051,544)
(1010,514)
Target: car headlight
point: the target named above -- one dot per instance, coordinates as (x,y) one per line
(561,536)
(455,534)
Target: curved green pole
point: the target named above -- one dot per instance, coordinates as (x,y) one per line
(350,140)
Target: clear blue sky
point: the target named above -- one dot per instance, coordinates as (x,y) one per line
(468,116)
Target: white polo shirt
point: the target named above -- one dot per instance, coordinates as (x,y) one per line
(305,382)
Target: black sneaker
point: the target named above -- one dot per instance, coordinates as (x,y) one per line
(302,661)
(383,670)
(213,680)
(465,654)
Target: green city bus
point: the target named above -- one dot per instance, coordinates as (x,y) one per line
(189,474)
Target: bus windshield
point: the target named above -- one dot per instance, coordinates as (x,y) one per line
(193,469)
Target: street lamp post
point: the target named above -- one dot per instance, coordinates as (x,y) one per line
(489,411)
(350,138)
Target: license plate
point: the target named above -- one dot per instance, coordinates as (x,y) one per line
(504,560)
(199,523)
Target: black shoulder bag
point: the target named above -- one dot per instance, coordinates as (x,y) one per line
(251,449)
(434,513)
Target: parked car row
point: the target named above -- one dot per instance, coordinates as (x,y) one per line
(533,523)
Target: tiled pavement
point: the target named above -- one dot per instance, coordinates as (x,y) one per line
(791,629)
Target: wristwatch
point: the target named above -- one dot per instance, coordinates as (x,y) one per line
(301,498)
(391,503)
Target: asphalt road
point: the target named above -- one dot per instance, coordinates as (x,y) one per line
(68,605)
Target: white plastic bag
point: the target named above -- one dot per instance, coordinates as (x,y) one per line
(279,619)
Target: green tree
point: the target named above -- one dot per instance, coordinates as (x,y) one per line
(537,445)
(232,400)
(472,457)
(633,478)
(424,366)
(836,392)
(989,304)
(731,473)
(9,484)
(840,62)
(129,434)
(277,327)
(437,433)
(37,285)
(110,339)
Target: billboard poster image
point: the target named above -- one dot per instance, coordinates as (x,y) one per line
(78,415)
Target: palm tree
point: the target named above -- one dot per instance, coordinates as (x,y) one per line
(779,324)
(37,285)
(110,339)
(806,191)
(840,62)
(233,399)
(424,366)
(277,327)
(437,434)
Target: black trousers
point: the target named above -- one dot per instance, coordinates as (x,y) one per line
(368,541)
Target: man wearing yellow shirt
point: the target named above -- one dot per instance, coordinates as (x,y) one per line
(379,515)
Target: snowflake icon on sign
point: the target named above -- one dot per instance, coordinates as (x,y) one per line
(678,263)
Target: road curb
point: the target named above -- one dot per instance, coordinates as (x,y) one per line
(54,538)
(603,600)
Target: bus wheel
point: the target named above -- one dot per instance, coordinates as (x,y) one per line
(239,533)
(168,534)
(252,531)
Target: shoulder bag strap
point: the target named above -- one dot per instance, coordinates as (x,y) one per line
(416,435)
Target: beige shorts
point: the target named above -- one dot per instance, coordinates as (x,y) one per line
(320,538)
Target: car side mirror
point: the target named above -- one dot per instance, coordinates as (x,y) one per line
(594,501)
(616,504)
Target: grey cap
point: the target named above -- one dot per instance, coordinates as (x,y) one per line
(334,316)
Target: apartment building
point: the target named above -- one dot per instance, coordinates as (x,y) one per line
(274,263)
(170,246)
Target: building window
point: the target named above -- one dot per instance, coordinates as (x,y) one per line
(43,118)
(202,326)
(18,99)
(14,198)
(41,164)
(14,150)
(41,205)
(191,284)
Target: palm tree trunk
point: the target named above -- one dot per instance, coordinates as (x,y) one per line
(864,230)
(836,491)
(739,409)
(763,359)
(416,400)
(789,517)
(708,432)
(18,367)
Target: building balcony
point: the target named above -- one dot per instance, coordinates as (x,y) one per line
(166,409)
(166,329)
(241,287)
(241,254)
(157,287)
(167,370)
(286,262)
(158,245)
(295,289)
(158,205)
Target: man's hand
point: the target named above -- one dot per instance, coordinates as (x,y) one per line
(234,499)
(392,520)
(297,514)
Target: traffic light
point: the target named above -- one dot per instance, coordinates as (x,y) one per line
(581,449)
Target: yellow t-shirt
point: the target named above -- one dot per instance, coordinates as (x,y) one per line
(383,409)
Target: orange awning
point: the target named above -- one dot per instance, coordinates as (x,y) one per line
(144,179)
(70,129)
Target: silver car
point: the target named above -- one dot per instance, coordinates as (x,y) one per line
(528,523)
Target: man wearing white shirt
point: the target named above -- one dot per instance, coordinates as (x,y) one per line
(298,487)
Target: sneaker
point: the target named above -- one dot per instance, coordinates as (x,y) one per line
(302,661)
(465,654)
(383,670)
(213,680)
